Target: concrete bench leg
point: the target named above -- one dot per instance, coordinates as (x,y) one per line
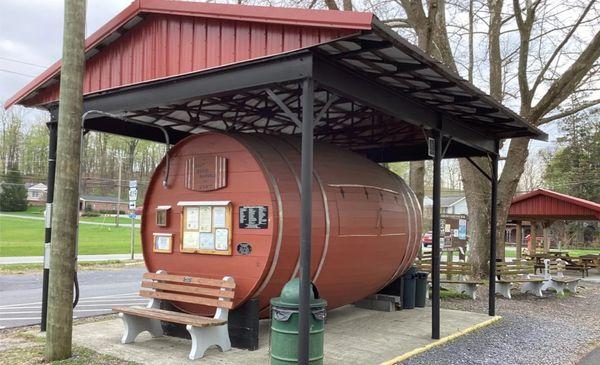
(204,337)
(534,288)
(572,286)
(547,285)
(559,287)
(469,289)
(503,289)
(135,325)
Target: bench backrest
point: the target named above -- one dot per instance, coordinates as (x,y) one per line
(448,268)
(514,268)
(188,289)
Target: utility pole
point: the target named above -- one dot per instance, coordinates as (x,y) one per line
(66,193)
(119,192)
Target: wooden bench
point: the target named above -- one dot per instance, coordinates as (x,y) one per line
(456,272)
(204,331)
(577,264)
(555,278)
(509,273)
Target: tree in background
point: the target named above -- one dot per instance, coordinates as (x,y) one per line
(575,168)
(13,195)
(537,56)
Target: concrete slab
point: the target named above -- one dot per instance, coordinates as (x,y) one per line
(353,336)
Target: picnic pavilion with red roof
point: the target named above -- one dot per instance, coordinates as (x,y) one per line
(545,207)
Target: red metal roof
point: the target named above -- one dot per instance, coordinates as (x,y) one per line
(543,203)
(153,39)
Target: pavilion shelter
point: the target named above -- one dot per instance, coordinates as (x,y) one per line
(162,70)
(545,207)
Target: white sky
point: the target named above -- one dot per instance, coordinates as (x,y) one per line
(31,33)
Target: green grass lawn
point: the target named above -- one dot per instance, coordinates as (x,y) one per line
(25,237)
(37,211)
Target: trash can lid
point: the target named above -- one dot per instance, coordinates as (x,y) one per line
(422,274)
(290,296)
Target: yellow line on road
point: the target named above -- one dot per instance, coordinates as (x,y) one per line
(441,341)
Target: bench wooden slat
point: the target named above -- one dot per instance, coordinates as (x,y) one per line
(189,289)
(168,316)
(519,280)
(187,299)
(460,281)
(190,280)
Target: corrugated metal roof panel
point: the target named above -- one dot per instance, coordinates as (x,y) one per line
(177,37)
(164,45)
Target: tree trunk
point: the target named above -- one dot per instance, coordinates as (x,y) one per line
(65,210)
(478,193)
(417,178)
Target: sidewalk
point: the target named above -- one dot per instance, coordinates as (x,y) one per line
(80,258)
(353,336)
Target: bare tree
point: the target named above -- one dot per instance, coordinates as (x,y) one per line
(537,55)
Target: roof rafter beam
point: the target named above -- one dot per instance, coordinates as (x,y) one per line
(382,98)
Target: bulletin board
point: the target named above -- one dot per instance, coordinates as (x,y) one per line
(206,228)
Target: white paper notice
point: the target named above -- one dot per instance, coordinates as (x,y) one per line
(191,240)
(205,219)
(207,241)
(162,242)
(191,218)
(222,239)
(219,217)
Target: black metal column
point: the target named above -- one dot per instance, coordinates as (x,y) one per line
(53,135)
(435,237)
(305,220)
(493,235)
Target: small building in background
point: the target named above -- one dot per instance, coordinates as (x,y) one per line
(36,193)
(99,203)
(450,204)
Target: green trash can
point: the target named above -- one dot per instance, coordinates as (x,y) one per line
(284,326)
(421,289)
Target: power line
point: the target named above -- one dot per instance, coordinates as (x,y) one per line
(22,62)
(16,73)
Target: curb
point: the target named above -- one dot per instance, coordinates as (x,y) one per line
(441,341)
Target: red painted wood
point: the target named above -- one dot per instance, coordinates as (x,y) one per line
(373,234)
(162,41)
(547,204)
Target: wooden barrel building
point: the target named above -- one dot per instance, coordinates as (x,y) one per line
(231,207)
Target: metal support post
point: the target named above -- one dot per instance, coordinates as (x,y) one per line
(436,237)
(305,220)
(493,234)
(52,136)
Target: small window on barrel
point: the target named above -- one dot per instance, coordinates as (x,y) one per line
(162,215)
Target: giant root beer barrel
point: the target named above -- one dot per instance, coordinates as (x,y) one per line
(231,207)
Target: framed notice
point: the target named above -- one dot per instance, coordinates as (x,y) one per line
(206,227)
(191,241)
(163,243)
(205,218)
(221,239)
(219,215)
(207,241)
(191,218)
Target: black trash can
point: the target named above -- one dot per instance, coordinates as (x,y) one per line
(408,288)
(421,289)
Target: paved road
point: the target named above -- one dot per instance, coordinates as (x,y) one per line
(20,295)
(80,258)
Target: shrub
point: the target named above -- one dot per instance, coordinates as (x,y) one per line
(13,195)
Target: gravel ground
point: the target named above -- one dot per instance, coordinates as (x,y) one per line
(550,330)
